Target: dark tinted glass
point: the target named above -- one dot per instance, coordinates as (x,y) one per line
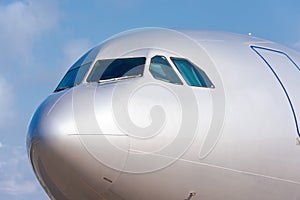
(161,69)
(117,68)
(73,77)
(193,75)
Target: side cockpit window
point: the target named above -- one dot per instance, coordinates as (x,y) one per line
(161,69)
(193,75)
(73,77)
(75,74)
(115,69)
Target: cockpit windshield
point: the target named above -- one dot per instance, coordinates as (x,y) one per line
(115,69)
(192,74)
(73,77)
(75,74)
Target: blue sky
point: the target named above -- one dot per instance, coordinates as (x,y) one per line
(39,40)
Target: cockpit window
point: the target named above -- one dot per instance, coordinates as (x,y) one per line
(193,75)
(161,69)
(114,69)
(73,77)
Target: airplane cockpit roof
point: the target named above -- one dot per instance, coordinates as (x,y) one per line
(141,44)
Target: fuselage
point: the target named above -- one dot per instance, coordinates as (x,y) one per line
(163,114)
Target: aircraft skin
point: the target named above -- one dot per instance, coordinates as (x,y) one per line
(144,138)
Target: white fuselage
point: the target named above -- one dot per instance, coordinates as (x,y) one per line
(145,137)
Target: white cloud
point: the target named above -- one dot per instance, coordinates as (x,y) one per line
(6,102)
(23,22)
(14,187)
(16,178)
(74,49)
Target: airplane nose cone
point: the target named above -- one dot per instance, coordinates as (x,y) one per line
(52,119)
(71,165)
(48,144)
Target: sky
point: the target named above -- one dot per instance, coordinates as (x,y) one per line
(40,39)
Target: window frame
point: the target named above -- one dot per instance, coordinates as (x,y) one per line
(195,66)
(114,79)
(76,68)
(170,64)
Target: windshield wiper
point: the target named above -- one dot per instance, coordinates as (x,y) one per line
(118,78)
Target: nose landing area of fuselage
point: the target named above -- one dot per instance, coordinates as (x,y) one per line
(59,177)
(66,178)
(59,155)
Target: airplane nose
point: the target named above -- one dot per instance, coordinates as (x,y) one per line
(70,165)
(51,121)
(48,145)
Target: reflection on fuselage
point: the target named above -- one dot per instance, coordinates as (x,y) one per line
(161,114)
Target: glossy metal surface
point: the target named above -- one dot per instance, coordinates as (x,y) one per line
(141,138)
